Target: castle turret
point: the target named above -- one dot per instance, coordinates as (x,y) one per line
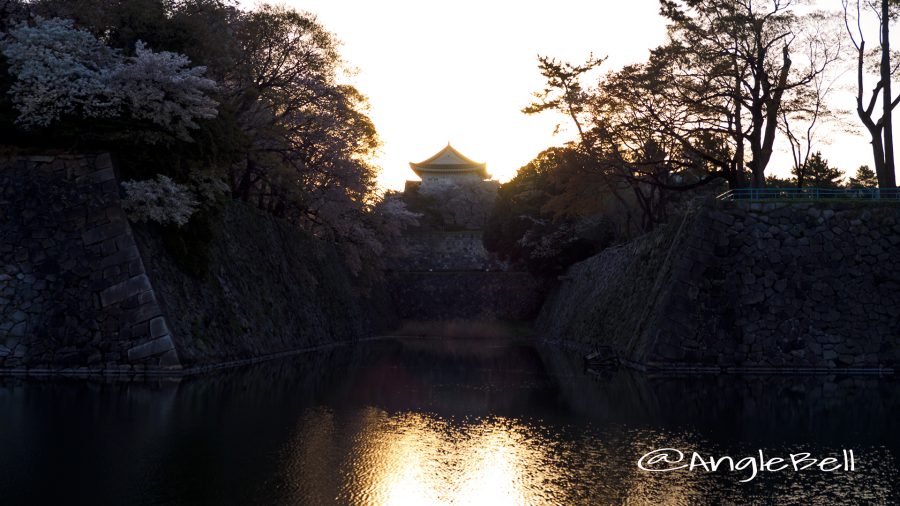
(449,165)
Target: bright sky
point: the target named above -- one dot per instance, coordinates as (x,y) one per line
(462,70)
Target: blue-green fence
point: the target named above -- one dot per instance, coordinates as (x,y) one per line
(810,194)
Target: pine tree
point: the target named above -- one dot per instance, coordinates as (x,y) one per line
(818,174)
(865,178)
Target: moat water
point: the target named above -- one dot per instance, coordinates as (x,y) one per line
(429,422)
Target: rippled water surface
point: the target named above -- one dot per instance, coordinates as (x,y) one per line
(431,422)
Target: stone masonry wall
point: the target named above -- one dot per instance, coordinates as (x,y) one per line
(74,293)
(737,285)
(83,291)
(270,289)
(444,272)
(425,250)
(452,203)
(470,295)
(604,300)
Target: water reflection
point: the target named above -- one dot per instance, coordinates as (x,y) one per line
(412,458)
(438,423)
(422,459)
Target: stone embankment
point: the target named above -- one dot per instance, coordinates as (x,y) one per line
(737,286)
(270,289)
(74,292)
(82,291)
(466,295)
(444,272)
(426,250)
(776,286)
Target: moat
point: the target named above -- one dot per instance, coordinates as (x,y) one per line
(426,421)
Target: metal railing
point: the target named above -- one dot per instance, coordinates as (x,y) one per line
(810,194)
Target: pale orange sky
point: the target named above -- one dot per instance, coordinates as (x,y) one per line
(461,72)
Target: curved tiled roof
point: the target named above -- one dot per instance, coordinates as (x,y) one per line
(449,160)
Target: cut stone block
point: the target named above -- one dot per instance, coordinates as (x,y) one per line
(170,360)
(97,176)
(121,291)
(120,257)
(158,327)
(150,348)
(103,232)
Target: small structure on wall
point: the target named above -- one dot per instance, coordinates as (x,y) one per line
(453,188)
(454,198)
(449,166)
(442,270)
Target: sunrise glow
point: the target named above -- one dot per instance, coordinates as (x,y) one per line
(461,72)
(317,252)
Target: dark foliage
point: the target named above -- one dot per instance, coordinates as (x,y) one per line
(530,227)
(818,174)
(190,244)
(288,137)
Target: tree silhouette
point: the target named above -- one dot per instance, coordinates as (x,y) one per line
(818,174)
(864,178)
(731,70)
(880,129)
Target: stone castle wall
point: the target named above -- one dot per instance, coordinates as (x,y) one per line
(425,250)
(445,272)
(734,286)
(83,291)
(470,295)
(270,289)
(459,204)
(74,293)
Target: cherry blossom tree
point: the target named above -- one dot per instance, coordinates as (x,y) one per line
(159,200)
(58,70)
(162,88)
(61,70)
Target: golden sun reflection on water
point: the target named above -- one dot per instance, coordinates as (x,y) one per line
(370,456)
(415,459)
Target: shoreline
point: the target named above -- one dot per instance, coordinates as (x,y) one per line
(665,370)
